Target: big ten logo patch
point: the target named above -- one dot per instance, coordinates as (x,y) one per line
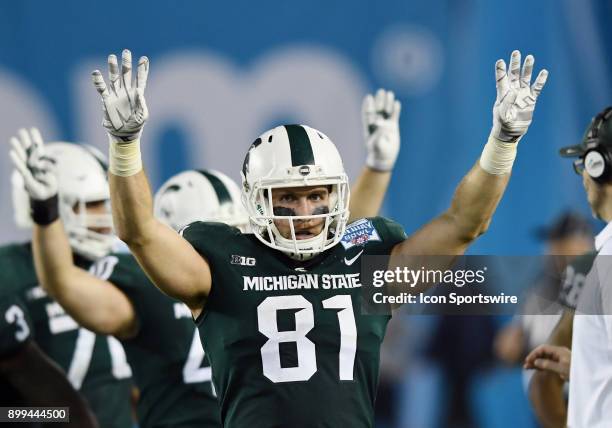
(242,260)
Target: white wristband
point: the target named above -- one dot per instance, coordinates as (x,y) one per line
(124,157)
(498,156)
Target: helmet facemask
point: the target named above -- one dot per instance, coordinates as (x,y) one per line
(263,217)
(81,225)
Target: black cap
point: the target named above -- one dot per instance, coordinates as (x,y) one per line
(598,133)
(567,224)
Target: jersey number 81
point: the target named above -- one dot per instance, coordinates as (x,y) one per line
(304,322)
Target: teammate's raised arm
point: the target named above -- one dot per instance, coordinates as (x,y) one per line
(175,267)
(380,119)
(480,191)
(76,174)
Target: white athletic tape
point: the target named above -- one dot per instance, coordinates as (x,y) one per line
(498,156)
(124,157)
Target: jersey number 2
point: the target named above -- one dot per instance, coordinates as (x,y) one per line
(304,322)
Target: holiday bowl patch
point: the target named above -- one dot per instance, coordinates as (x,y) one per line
(358,233)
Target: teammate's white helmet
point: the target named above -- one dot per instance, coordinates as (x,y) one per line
(81,176)
(294,156)
(200,195)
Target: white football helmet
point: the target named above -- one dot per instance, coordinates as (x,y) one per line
(294,156)
(81,176)
(200,195)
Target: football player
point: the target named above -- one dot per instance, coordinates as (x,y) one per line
(94,364)
(28,377)
(276,307)
(139,314)
(114,297)
(590,371)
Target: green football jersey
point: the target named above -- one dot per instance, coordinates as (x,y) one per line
(15,324)
(287,341)
(574,278)
(15,331)
(166,354)
(94,364)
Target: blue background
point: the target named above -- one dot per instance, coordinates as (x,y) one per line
(443,125)
(437,55)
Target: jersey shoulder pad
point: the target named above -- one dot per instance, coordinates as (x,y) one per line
(121,269)
(376,233)
(17,267)
(211,238)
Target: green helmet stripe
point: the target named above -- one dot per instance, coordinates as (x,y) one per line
(223,194)
(299,144)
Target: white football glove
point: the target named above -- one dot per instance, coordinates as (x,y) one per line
(28,157)
(516,99)
(123,101)
(380,117)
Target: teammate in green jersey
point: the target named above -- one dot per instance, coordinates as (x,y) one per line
(94,364)
(27,376)
(546,389)
(114,297)
(276,307)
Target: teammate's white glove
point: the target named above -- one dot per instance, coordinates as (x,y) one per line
(380,117)
(516,97)
(28,156)
(37,170)
(124,104)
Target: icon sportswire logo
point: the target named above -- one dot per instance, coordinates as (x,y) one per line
(349,262)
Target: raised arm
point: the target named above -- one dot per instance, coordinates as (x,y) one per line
(94,303)
(380,119)
(479,192)
(169,260)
